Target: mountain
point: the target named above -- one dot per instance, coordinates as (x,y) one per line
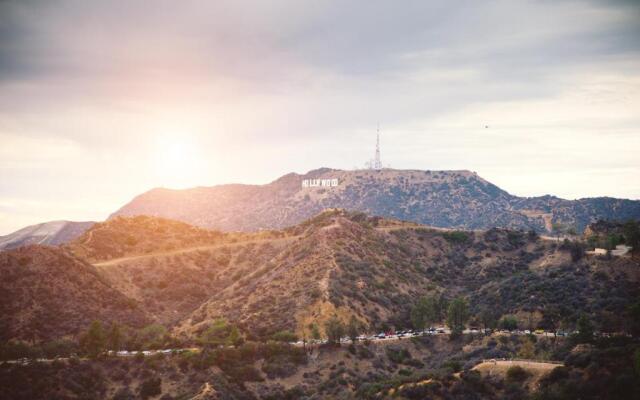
(180,283)
(450,199)
(339,262)
(46,293)
(349,264)
(51,233)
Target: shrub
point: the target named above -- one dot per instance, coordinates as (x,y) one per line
(456,236)
(285,336)
(453,365)
(150,387)
(398,355)
(517,374)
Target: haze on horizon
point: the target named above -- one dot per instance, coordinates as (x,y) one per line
(101,101)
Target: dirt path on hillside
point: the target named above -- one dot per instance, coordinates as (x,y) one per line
(121,260)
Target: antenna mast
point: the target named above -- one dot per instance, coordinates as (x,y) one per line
(377,164)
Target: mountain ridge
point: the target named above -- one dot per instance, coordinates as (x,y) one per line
(449,199)
(46,233)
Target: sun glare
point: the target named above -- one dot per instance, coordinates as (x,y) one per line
(178,163)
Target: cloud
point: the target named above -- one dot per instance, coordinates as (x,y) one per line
(263,88)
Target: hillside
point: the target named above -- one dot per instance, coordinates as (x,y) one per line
(48,233)
(45,294)
(351,264)
(179,284)
(451,199)
(140,235)
(339,262)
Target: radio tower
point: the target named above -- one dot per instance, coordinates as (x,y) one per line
(377,164)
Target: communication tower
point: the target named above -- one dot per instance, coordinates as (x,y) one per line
(377,164)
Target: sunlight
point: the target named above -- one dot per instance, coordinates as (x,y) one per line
(178,163)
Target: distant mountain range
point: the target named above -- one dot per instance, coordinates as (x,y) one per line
(449,199)
(48,233)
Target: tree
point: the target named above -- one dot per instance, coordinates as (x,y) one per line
(634,318)
(114,338)
(334,330)
(424,313)
(457,316)
(631,231)
(558,229)
(353,328)
(315,331)
(585,330)
(93,341)
(441,309)
(217,334)
(509,322)
(488,319)
(235,338)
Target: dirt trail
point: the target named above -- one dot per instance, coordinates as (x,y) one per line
(121,260)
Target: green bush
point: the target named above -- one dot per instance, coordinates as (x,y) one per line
(285,336)
(456,237)
(517,374)
(398,355)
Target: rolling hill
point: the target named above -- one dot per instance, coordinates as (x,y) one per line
(46,293)
(148,269)
(450,199)
(375,269)
(48,233)
(172,282)
(345,263)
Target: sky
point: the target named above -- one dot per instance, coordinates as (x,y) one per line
(101,101)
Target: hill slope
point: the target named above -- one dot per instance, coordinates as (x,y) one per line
(375,269)
(46,293)
(140,235)
(48,233)
(439,198)
(339,262)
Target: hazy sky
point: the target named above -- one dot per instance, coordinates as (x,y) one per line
(103,100)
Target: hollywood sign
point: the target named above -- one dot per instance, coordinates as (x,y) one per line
(319,182)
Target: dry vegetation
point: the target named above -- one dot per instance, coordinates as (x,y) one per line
(451,199)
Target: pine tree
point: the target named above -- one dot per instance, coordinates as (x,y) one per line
(334,330)
(457,316)
(353,328)
(94,341)
(114,339)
